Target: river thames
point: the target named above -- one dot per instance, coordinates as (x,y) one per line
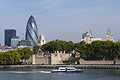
(45,74)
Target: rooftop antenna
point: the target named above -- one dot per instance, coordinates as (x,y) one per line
(91,32)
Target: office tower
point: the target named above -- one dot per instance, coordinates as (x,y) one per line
(14,42)
(32,31)
(9,33)
(24,43)
(41,40)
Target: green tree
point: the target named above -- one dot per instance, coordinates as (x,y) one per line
(25,53)
(36,48)
(99,50)
(58,45)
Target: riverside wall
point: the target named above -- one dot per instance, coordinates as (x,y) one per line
(99,62)
(56,66)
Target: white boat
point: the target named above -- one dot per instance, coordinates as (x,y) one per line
(67,70)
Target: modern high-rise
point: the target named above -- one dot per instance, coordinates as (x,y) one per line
(32,31)
(14,42)
(9,33)
(24,43)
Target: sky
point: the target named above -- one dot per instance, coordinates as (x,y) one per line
(62,19)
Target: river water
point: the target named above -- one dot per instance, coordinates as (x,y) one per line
(45,74)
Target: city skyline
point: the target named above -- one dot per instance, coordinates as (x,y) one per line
(59,19)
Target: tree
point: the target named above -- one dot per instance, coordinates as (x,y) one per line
(58,45)
(70,46)
(99,50)
(36,48)
(25,53)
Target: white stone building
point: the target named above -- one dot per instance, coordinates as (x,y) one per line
(109,35)
(88,38)
(41,40)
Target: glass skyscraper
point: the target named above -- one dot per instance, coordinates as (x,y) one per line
(14,42)
(32,31)
(9,33)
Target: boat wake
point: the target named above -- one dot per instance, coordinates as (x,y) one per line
(25,72)
(45,71)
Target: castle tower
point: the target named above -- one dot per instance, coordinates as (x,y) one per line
(109,35)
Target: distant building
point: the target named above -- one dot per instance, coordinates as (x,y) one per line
(84,35)
(9,33)
(5,48)
(109,35)
(88,38)
(24,43)
(14,42)
(49,58)
(32,31)
(41,40)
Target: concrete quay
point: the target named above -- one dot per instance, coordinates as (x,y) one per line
(56,66)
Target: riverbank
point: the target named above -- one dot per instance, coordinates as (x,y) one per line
(56,66)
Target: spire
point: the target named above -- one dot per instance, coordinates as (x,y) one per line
(109,30)
(91,32)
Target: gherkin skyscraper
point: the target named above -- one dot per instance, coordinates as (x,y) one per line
(32,31)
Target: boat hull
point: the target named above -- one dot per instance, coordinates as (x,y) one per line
(78,71)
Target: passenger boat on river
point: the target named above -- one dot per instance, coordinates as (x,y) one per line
(67,70)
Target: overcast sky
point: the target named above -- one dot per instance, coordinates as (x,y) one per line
(62,19)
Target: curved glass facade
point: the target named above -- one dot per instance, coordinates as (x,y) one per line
(32,31)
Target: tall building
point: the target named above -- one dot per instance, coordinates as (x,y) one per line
(41,40)
(109,35)
(9,33)
(14,42)
(32,31)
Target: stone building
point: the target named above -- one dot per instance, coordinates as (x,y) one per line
(59,57)
(49,58)
(41,40)
(109,35)
(88,38)
(41,59)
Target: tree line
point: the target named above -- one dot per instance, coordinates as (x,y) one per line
(15,56)
(99,50)
(58,45)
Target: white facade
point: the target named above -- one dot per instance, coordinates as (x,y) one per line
(42,40)
(109,35)
(88,38)
(14,42)
(5,48)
